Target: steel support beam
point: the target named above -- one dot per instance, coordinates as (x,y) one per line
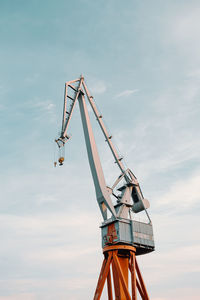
(121,258)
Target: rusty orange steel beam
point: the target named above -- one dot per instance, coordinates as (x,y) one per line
(133,276)
(121,262)
(102,280)
(146,297)
(101,272)
(140,290)
(109,286)
(121,276)
(116,281)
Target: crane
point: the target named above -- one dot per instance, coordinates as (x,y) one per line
(123,237)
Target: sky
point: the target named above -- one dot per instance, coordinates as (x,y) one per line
(141,62)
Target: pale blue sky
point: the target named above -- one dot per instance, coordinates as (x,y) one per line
(141,62)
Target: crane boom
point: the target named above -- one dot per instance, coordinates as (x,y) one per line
(102,194)
(129,197)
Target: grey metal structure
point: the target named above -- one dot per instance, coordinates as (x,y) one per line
(120,228)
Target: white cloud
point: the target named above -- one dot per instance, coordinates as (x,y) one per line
(48,223)
(194,74)
(42,108)
(160,298)
(50,106)
(183,194)
(60,288)
(59,247)
(97,87)
(183,30)
(20,296)
(168,265)
(61,255)
(126,93)
(167,140)
(45,105)
(176,257)
(187,24)
(32,79)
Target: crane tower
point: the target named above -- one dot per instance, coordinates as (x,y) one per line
(123,237)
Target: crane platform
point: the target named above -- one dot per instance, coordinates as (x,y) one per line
(130,232)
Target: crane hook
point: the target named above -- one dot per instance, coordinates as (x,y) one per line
(61,160)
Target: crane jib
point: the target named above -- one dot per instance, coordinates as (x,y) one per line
(120,204)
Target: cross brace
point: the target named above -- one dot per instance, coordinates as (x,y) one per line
(122,259)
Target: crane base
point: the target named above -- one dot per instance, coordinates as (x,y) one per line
(122,259)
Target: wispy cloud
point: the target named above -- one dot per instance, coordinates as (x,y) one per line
(43,105)
(126,93)
(50,243)
(173,250)
(194,74)
(98,87)
(32,78)
(20,296)
(180,258)
(159,298)
(183,30)
(182,194)
(61,254)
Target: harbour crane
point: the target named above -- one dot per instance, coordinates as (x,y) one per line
(123,237)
